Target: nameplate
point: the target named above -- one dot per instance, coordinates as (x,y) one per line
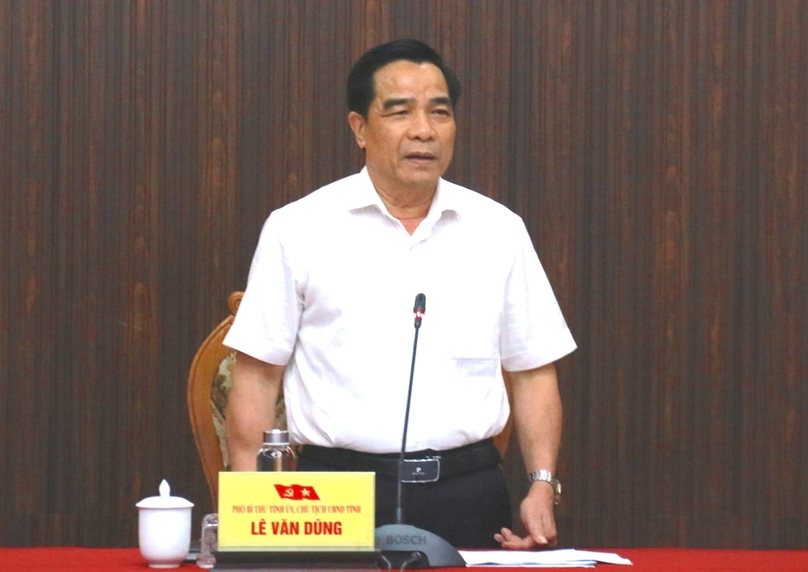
(296,511)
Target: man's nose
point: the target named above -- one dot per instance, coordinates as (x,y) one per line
(421,127)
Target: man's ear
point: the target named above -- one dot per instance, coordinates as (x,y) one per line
(357,123)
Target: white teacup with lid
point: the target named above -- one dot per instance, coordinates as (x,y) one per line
(164,528)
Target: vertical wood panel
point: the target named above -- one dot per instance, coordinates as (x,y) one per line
(655,150)
(788,190)
(31,296)
(6,99)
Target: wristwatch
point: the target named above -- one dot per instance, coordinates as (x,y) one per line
(547,477)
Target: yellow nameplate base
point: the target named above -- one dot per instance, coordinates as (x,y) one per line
(296,511)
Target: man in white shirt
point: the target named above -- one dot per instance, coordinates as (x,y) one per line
(327,315)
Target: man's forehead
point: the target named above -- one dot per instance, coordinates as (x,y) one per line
(401,73)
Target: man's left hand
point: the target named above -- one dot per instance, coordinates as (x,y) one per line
(536,512)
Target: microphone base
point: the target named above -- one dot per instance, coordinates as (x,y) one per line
(404,545)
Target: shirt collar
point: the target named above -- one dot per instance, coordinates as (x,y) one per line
(363,194)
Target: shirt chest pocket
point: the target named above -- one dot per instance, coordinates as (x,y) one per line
(472,342)
(475,367)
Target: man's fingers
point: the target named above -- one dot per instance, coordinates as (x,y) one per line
(507,539)
(543,535)
(545,531)
(542,530)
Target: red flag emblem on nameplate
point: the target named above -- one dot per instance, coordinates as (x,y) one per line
(297,492)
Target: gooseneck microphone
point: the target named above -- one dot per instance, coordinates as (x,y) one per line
(403,545)
(418,309)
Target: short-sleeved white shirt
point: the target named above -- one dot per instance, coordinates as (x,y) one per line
(331,292)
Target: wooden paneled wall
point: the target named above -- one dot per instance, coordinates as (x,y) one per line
(656,150)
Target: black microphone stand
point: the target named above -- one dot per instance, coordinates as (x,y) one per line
(419,309)
(403,545)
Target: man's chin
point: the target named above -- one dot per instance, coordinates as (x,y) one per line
(425,184)
(426,177)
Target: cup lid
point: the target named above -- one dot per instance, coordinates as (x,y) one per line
(165,500)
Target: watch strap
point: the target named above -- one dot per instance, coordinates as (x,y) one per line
(546,476)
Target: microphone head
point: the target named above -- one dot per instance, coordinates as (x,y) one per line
(419,309)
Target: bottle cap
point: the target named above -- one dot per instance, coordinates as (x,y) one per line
(276,437)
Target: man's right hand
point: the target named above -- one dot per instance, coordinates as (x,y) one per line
(536,512)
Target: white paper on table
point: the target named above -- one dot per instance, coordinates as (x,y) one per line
(562,557)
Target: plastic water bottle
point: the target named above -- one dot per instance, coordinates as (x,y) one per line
(209,541)
(276,454)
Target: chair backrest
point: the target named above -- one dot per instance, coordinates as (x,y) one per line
(208,361)
(208,388)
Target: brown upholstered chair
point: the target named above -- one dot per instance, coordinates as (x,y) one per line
(205,400)
(209,383)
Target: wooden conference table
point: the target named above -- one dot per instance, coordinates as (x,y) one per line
(644,559)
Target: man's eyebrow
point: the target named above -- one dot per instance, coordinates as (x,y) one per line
(393,102)
(442,100)
(396,101)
